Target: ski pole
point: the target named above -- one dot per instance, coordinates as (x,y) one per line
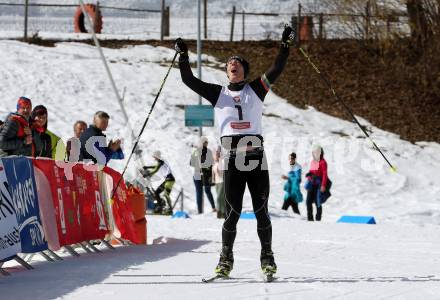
(329,86)
(133,150)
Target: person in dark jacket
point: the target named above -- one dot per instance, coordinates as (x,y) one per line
(78,128)
(16,134)
(318,184)
(41,139)
(238,109)
(94,145)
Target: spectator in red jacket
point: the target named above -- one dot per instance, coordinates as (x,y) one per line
(16,134)
(317,184)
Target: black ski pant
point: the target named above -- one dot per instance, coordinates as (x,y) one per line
(311,199)
(293,204)
(235,178)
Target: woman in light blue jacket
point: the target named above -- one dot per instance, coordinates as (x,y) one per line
(293,194)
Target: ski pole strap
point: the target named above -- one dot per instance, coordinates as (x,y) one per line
(329,86)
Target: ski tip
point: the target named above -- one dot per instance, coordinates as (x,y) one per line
(213,278)
(393,170)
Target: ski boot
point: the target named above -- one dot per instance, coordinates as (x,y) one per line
(268,265)
(167,211)
(225,263)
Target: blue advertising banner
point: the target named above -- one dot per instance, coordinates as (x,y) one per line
(20,175)
(9,234)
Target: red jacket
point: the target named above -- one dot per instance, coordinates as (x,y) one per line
(319,169)
(22,123)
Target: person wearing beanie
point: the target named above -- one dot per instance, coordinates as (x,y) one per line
(163,172)
(318,184)
(42,140)
(16,134)
(293,195)
(202,161)
(238,111)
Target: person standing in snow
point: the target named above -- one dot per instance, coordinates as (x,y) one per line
(201,161)
(217,174)
(293,195)
(163,170)
(238,110)
(16,133)
(318,184)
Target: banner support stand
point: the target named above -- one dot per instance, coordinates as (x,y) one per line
(85,248)
(2,271)
(22,262)
(107,244)
(93,247)
(124,242)
(71,251)
(28,257)
(56,256)
(47,257)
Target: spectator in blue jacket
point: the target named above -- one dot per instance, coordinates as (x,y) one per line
(293,194)
(94,145)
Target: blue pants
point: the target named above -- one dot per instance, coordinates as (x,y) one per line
(199,195)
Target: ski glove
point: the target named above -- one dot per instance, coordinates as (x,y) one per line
(181,47)
(288,37)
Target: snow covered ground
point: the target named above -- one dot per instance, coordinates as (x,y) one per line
(398,258)
(315,261)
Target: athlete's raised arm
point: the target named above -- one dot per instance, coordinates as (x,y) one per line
(262,85)
(208,91)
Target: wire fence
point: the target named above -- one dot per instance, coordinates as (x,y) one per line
(52,20)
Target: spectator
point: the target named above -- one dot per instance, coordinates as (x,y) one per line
(201,161)
(163,170)
(41,140)
(317,185)
(293,195)
(16,134)
(78,128)
(217,174)
(58,150)
(94,142)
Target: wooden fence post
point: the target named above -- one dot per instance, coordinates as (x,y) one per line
(162,15)
(367,20)
(26,6)
(298,36)
(321,25)
(166,29)
(242,20)
(205,18)
(232,24)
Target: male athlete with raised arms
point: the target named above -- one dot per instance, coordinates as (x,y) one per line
(238,110)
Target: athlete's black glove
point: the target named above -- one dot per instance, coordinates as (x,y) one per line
(288,37)
(181,47)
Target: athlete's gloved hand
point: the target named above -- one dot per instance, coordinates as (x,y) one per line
(288,37)
(181,47)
